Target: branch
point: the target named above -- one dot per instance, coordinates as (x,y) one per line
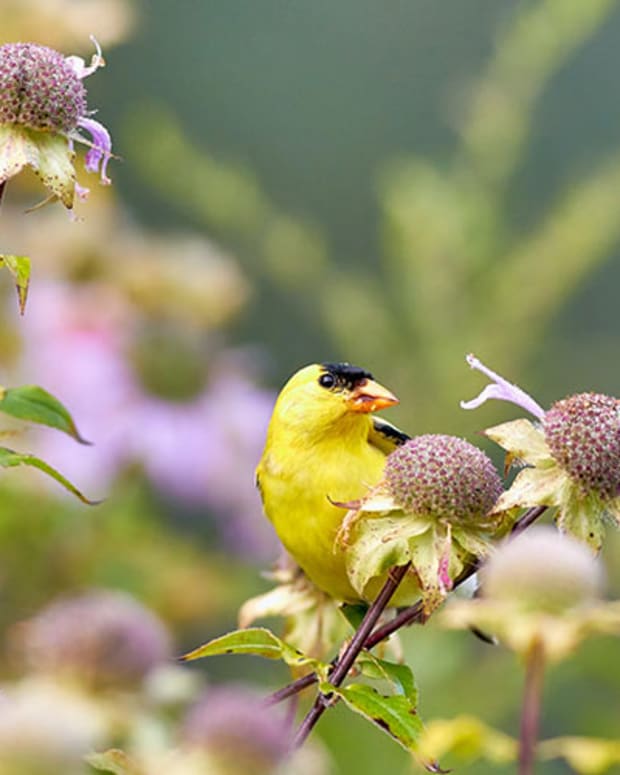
(350,654)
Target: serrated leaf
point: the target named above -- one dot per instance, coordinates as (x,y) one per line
(9,459)
(33,403)
(258,641)
(19,267)
(394,714)
(399,675)
(114,761)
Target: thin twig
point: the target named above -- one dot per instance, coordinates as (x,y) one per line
(291,689)
(404,618)
(530,712)
(530,516)
(350,654)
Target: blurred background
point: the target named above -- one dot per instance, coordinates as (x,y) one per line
(394,184)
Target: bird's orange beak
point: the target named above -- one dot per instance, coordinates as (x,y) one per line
(370,396)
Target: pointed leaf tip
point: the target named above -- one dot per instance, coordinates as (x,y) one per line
(10,459)
(19,267)
(34,404)
(258,641)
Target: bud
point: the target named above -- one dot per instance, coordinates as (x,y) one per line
(583,434)
(443,477)
(101,638)
(542,570)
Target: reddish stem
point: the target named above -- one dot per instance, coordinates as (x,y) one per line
(530,712)
(350,654)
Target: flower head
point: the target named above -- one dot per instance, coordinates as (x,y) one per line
(435,509)
(572,454)
(233,724)
(101,638)
(583,435)
(443,476)
(42,109)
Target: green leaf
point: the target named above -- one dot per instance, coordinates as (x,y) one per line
(19,267)
(258,641)
(10,459)
(394,714)
(354,613)
(32,403)
(400,676)
(114,761)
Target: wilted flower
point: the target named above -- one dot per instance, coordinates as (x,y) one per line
(573,454)
(100,639)
(314,623)
(42,110)
(539,589)
(433,509)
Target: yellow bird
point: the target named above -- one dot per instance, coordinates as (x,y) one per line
(323,446)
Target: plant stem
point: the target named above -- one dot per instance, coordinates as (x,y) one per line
(291,689)
(530,516)
(530,712)
(350,654)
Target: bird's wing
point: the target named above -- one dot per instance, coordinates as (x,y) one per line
(386,436)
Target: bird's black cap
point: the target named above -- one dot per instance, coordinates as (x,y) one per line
(347,375)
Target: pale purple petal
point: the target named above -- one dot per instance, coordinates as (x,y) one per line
(502,390)
(82,192)
(81,69)
(101,149)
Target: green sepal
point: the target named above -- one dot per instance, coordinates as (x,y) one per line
(9,459)
(33,403)
(48,153)
(258,641)
(19,267)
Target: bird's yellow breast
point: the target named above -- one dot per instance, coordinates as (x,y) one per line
(300,476)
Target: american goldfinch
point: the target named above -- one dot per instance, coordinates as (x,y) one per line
(323,447)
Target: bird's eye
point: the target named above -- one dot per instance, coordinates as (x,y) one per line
(327,380)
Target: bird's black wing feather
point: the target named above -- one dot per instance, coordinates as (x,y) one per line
(386,436)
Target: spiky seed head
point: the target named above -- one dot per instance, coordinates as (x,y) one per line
(39,88)
(542,570)
(443,477)
(583,434)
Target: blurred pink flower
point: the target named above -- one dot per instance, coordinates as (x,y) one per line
(202,451)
